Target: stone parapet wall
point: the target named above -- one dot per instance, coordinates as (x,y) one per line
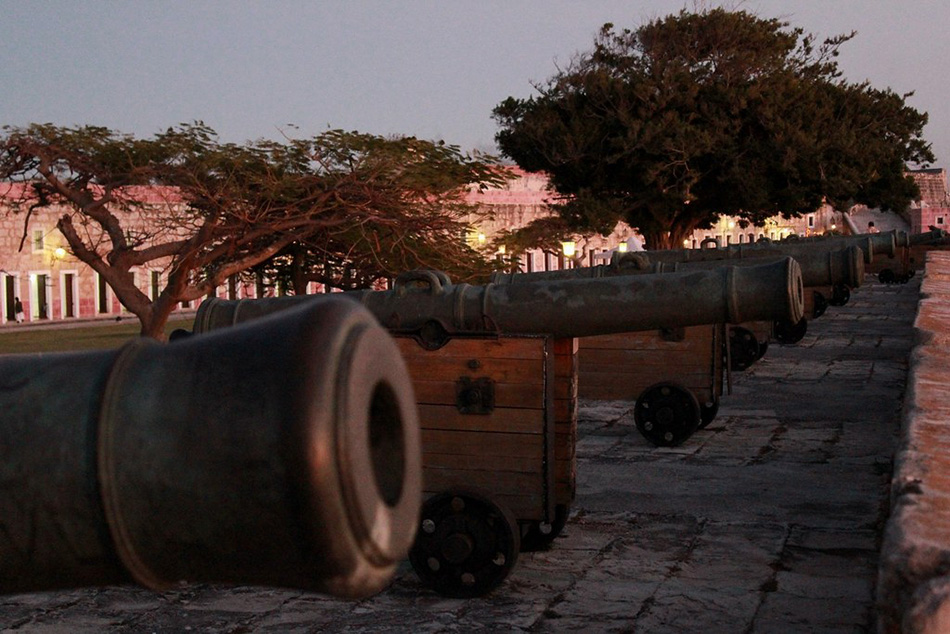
(913,593)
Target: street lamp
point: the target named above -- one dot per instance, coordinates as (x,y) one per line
(569,248)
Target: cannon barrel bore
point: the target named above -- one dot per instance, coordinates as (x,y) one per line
(425,301)
(282,453)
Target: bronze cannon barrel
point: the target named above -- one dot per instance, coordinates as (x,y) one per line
(424,302)
(282,453)
(822,268)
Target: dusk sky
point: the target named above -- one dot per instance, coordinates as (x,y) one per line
(427,68)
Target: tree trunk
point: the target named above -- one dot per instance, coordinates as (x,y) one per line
(298,276)
(154,327)
(657,240)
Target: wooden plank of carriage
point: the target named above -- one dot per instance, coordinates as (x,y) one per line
(499,450)
(622,366)
(899,263)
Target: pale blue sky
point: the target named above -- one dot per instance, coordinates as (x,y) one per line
(429,68)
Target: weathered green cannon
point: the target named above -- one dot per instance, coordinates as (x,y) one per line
(932,237)
(872,246)
(844,265)
(834,271)
(896,264)
(625,366)
(918,246)
(426,305)
(831,267)
(495,373)
(282,453)
(910,255)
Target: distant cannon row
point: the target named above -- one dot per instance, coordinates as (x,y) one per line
(309,448)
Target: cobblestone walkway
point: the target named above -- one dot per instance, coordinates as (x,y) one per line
(767,521)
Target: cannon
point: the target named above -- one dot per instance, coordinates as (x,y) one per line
(428,306)
(871,245)
(842,265)
(910,254)
(828,277)
(283,453)
(693,362)
(920,243)
(901,257)
(494,368)
(831,268)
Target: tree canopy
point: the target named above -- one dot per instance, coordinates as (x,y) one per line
(697,115)
(383,204)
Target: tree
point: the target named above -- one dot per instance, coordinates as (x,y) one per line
(698,115)
(228,207)
(423,224)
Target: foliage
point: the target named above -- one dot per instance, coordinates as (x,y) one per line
(390,201)
(697,115)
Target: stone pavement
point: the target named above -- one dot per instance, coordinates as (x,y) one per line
(769,520)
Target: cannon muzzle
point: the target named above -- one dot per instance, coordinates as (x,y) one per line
(283,453)
(425,304)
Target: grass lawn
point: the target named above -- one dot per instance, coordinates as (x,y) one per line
(94,336)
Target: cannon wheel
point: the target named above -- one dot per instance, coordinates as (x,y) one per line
(667,414)
(788,333)
(707,412)
(840,295)
(821,305)
(466,544)
(744,348)
(539,535)
(887,276)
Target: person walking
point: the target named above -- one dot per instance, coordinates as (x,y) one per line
(18,309)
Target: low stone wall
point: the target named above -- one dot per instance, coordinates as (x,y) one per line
(913,593)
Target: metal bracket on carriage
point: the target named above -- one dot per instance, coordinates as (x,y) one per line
(475,396)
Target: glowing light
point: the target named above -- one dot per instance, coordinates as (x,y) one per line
(59,253)
(622,247)
(569,248)
(481,237)
(686,242)
(732,225)
(502,249)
